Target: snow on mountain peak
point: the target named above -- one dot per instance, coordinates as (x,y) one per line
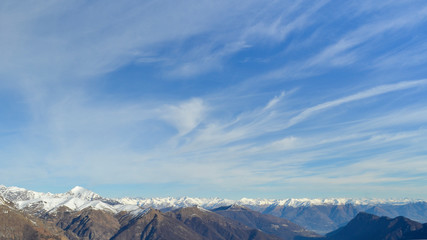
(83,193)
(79,198)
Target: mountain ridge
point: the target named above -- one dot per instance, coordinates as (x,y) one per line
(369,226)
(83,214)
(165,202)
(319,215)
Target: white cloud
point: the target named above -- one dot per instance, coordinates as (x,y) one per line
(203,59)
(283,144)
(274,101)
(295,16)
(358,96)
(348,48)
(364,34)
(56,41)
(186,116)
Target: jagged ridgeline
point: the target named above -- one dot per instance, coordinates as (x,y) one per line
(83,214)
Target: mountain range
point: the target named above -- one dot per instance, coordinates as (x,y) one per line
(83,214)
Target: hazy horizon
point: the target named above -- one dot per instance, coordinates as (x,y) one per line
(228,99)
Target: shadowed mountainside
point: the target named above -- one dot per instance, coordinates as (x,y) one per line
(371,227)
(267,223)
(214,226)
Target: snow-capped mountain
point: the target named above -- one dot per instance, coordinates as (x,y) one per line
(332,212)
(2,202)
(79,198)
(76,199)
(83,193)
(209,203)
(173,203)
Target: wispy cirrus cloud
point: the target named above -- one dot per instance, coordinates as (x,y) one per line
(358,96)
(301,150)
(163,92)
(350,47)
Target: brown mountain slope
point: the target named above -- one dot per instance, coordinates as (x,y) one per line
(214,226)
(17,225)
(155,225)
(86,224)
(267,223)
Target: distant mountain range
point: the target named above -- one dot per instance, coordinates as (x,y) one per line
(184,223)
(83,214)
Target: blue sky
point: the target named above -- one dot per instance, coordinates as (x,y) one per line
(267,99)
